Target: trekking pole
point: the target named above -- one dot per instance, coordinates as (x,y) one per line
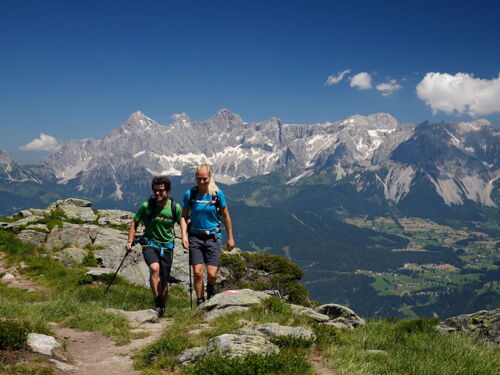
(190,282)
(120,266)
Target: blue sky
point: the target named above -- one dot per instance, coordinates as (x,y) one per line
(78,69)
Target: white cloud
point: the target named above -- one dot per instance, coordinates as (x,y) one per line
(362,81)
(388,88)
(333,80)
(44,143)
(460,93)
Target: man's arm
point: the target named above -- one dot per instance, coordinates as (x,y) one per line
(229,227)
(131,234)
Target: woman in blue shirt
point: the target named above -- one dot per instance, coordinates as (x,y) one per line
(203,204)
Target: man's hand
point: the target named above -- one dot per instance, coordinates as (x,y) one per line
(185,243)
(128,246)
(230,244)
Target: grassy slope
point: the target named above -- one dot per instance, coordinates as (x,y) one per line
(412,347)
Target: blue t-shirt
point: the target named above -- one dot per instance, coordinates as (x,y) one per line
(203,211)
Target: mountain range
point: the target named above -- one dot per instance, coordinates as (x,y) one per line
(459,160)
(295,189)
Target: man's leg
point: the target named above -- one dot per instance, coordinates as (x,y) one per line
(154,278)
(157,288)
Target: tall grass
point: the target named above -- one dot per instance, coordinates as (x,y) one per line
(413,347)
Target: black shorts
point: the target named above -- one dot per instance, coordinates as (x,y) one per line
(152,255)
(204,250)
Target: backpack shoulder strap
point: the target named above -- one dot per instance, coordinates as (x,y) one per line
(173,209)
(215,198)
(192,195)
(151,208)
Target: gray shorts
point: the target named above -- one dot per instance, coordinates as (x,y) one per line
(204,250)
(152,255)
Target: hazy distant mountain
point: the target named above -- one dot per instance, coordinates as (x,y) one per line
(11,171)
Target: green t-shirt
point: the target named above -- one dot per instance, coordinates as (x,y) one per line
(160,228)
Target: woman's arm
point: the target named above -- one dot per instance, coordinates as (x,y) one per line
(184,234)
(229,227)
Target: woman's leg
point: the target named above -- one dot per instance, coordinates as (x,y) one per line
(198,280)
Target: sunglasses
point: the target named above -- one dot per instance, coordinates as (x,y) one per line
(159,190)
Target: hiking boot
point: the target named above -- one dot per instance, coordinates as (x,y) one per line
(160,311)
(211,290)
(159,306)
(199,301)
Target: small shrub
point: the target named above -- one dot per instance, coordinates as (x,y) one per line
(85,279)
(89,260)
(13,334)
(291,342)
(287,362)
(273,264)
(276,305)
(234,263)
(56,218)
(327,336)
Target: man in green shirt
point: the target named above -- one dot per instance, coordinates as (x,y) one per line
(158,214)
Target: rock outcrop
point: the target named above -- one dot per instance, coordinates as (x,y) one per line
(483,325)
(230,345)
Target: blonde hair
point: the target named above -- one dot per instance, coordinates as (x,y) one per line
(212,187)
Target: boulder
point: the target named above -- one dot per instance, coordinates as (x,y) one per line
(191,355)
(335,312)
(310,313)
(242,297)
(113,241)
(275,330)
(72,255)
(39,227)
(40,212)
(232,345)
(33,237)
(42,344)
(69,234)
(64,367)
(7,277)
(75,209)
(140,317)
(23,213)
(483,325)
(21,222)
(217,313)
(115,217)
(100,273)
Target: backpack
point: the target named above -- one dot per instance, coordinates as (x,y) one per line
(152,208)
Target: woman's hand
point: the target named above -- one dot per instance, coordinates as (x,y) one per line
(230,244)
(185,243)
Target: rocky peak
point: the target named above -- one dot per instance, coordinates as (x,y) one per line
(226,117)
(181,119)
(5,158)
(138,122)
